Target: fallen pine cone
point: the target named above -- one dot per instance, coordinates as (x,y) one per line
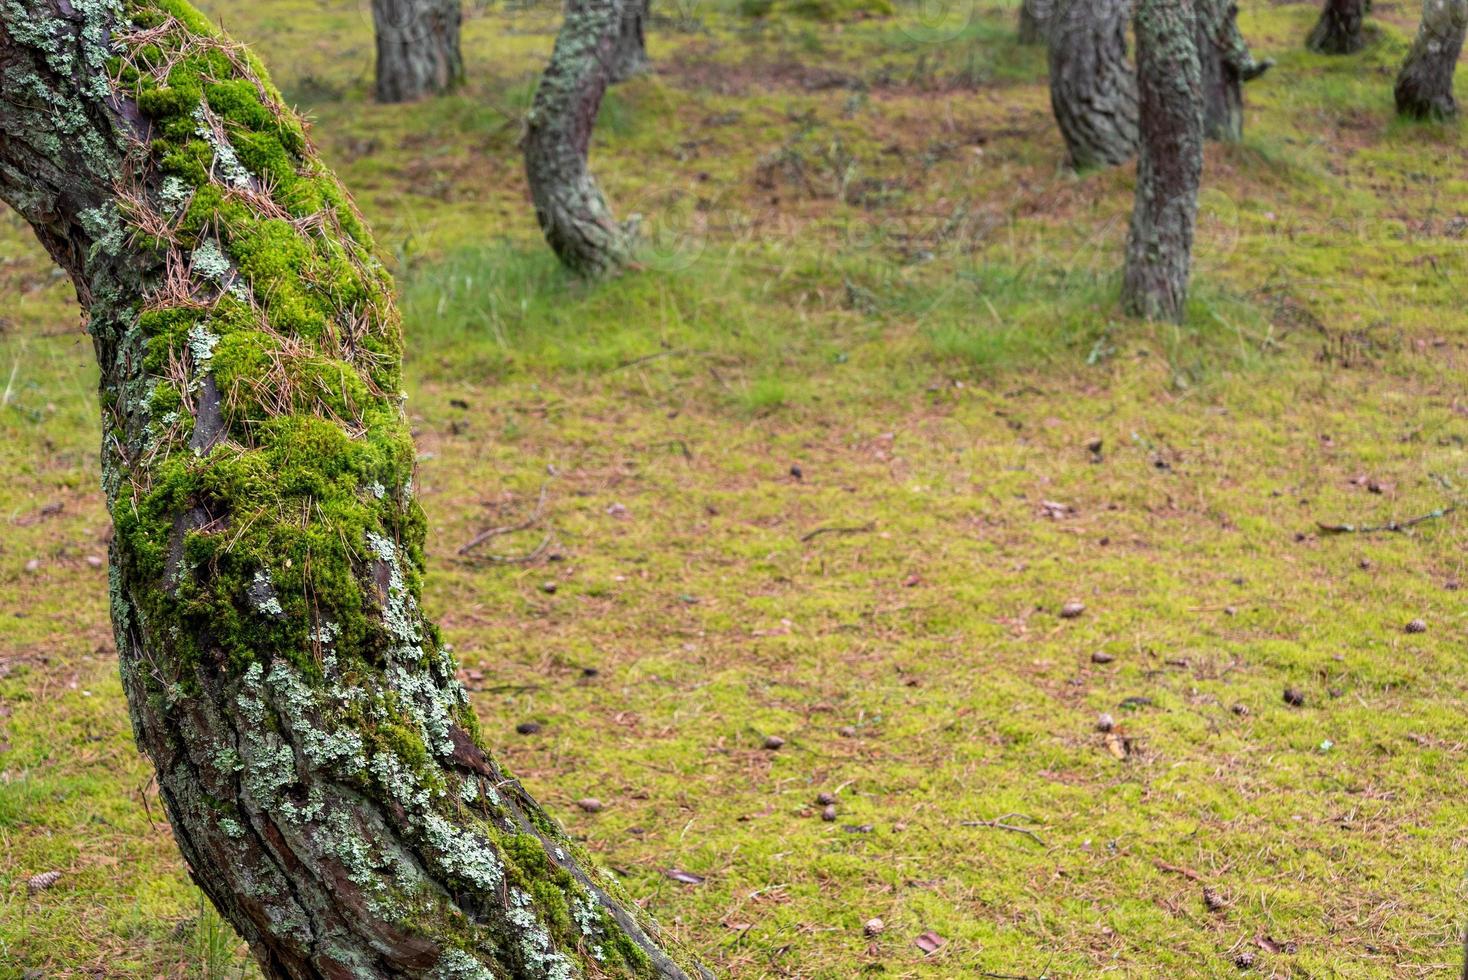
(42,881)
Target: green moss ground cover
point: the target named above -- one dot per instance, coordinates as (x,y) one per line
(866,262)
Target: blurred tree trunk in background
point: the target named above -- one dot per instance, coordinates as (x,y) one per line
(1093,90)
(1338,31)
(1034,21)
(630,57)
(417,48)
(1425,84)
(317,758)
(1160,242)
(569,205)
(1226,63)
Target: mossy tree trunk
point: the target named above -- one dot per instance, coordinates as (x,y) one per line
(1093,90)
(1225,63)
(1338,31)
(629,59)
(577,222)
(1160,243)
(1424,87)
(1034,21)
(317,759)
(417,48)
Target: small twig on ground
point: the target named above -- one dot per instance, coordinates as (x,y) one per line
(861,529)
(495,532)
(1044,974)
(525,559)
(657,356)
(998,823)
(1177,869)
(1431,515)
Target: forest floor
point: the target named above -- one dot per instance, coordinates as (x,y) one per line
(827,467)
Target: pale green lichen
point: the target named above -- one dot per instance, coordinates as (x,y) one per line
(262,590)
(464,854)
(174,195)
(455,964)
(535,943)
(209,262)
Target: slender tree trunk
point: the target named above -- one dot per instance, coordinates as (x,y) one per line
(1338,31)
(1425,84)
(569,205)
(1093,89)
(1225,63)
(1160,244)
(1034,21)
(630,57)
(417,48)
(317,759)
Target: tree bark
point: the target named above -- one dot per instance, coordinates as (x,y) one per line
(1034,21)
(1160,243)
(317,759)
(569,205)
(1093,89)
(417,48)
(1338,31)
(630,57)
(1424,87)
(1225,63)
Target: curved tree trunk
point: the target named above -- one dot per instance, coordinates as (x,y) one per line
(1338,31)
(1160,243)
(1225,63)
(1034,21)
(569,205)
(316,757)
(1093,90)
(1425,84)
(417,48)
(630,57)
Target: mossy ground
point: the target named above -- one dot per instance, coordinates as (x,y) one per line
(868,263)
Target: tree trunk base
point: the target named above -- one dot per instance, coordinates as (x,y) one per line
(1225,63)
(1424,88)
(1338,31)
(1093,90)
(573,214)
(417,48)
(1034,21)
(630,57)
(1170,163)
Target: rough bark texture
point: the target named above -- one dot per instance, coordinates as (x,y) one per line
(1034,21)
(1160,243)
(316,757)
(630,56)
(1425,84)
(417,48)
(1225,63)
(569,205)
(1093,89)
(1338,31)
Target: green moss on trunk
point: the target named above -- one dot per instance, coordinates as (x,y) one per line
(315,753)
